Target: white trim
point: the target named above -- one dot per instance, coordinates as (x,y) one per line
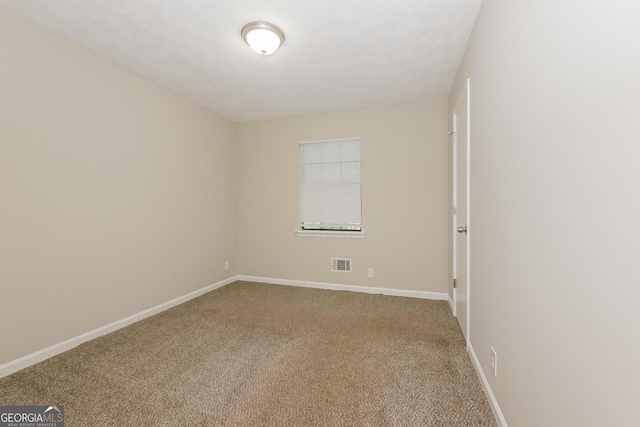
(353,138)
(330,233)
(454,204)
(442,296)
(493,402)
(469,225)
(55,349)
(451,306)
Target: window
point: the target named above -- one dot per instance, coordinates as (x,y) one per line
(330,184)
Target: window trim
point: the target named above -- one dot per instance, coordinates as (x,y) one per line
(331,233)
(319,232)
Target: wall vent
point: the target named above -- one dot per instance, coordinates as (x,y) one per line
(341,265)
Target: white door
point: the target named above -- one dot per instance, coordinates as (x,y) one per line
(461,209)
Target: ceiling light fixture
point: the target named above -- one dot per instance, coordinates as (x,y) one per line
(263,38)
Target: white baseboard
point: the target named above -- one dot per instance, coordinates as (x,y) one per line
(40,355)
(55,349)
(495,408)
(338,287)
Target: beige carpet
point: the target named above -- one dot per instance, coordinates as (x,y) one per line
(264,355)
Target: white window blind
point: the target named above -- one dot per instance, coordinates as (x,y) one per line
(330,187)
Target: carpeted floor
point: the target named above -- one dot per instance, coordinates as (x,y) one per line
(264,355)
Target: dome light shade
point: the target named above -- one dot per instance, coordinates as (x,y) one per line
(263,38)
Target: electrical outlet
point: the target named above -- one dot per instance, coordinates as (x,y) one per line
(226,265)
(494,362)
(370,273)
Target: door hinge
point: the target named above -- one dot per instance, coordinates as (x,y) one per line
(454,283)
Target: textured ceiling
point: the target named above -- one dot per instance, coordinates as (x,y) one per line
(338,54)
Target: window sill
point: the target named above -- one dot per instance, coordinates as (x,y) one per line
(326,233)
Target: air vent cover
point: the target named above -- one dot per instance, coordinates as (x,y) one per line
(341,265)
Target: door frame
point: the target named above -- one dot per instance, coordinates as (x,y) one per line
(454,191)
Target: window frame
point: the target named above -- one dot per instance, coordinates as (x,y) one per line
(327,232)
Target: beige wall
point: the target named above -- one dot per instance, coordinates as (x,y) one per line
(118,195)
(115,195)
(554,208)
(404,196)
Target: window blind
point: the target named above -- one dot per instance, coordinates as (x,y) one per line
(330,187)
